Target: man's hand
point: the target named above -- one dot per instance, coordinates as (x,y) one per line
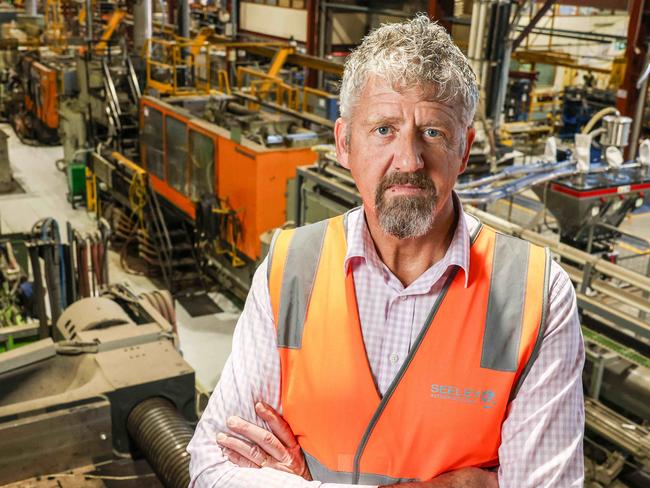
(277,449)
(462,478)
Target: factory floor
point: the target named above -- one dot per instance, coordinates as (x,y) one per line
(205,339)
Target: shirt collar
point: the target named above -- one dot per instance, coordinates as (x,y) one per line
(360,245)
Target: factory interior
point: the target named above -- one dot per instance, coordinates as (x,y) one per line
(149,151)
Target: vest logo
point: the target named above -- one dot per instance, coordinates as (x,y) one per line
(485,398)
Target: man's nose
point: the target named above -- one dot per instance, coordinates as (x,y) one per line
(408,157)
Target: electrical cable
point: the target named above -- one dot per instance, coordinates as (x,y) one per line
(137,201)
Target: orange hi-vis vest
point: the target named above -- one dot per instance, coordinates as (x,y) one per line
(445,407)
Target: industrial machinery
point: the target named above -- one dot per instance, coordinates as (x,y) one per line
(14,310)
(36,81)
(104,108)
(589,189)
(45,78)
(92,378)
(263,146)
(42,273)
(579,104)
(108,388)
(226,179)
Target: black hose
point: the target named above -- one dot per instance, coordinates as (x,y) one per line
(162,434)
(52,280)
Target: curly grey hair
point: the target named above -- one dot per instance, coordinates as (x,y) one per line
(417,52)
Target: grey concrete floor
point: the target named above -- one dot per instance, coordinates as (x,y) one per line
(205,341)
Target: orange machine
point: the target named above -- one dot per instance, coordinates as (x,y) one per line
(42,92)
(46,79)
(188,157)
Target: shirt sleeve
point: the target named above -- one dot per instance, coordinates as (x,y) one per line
(251,374)
(541,439)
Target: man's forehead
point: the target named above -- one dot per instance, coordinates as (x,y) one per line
(379,86)
(380,97)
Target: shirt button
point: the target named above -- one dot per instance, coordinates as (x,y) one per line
(403,298)
(393,358)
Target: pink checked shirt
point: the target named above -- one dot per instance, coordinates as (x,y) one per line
(541,443)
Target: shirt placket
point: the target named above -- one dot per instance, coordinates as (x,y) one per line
(396,347)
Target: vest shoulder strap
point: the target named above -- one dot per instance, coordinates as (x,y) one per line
(518,285)
(292,264)
(541,330)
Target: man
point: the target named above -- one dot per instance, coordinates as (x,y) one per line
(402,344)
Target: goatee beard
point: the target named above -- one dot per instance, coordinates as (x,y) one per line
(404,216)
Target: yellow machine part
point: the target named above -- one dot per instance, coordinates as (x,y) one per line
(91,191)
(276,65)
(113,23)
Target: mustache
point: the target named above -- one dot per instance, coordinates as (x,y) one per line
(417,179)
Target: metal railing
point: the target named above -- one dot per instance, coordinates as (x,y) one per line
(178,67)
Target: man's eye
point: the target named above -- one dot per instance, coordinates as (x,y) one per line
(384,130)
(431,133)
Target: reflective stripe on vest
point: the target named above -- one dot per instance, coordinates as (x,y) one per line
(445,407)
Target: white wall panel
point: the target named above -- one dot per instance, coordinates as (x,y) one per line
(273,21)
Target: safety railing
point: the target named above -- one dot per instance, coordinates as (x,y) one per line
(273,89)
(178,67)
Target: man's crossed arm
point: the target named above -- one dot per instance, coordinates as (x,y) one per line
(279,449)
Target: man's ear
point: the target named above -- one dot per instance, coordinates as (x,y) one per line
(341,128)
(469,140)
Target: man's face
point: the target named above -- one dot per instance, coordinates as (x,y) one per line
(405,152)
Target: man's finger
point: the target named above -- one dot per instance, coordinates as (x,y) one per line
(278,425)
(238,459)
(259,436)
(249,451)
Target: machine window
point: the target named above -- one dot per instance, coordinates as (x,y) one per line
(176,133)
(152,139)
(202,164)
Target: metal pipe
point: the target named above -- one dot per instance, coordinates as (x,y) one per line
(489,194)
(31,7)
(533,22)
(183,18)
(234,16)
(89,20)
(322,13)
(162,435)
(617,428)
(471,48)
(142,23)
(597,116)
(503,62)
(479,49)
